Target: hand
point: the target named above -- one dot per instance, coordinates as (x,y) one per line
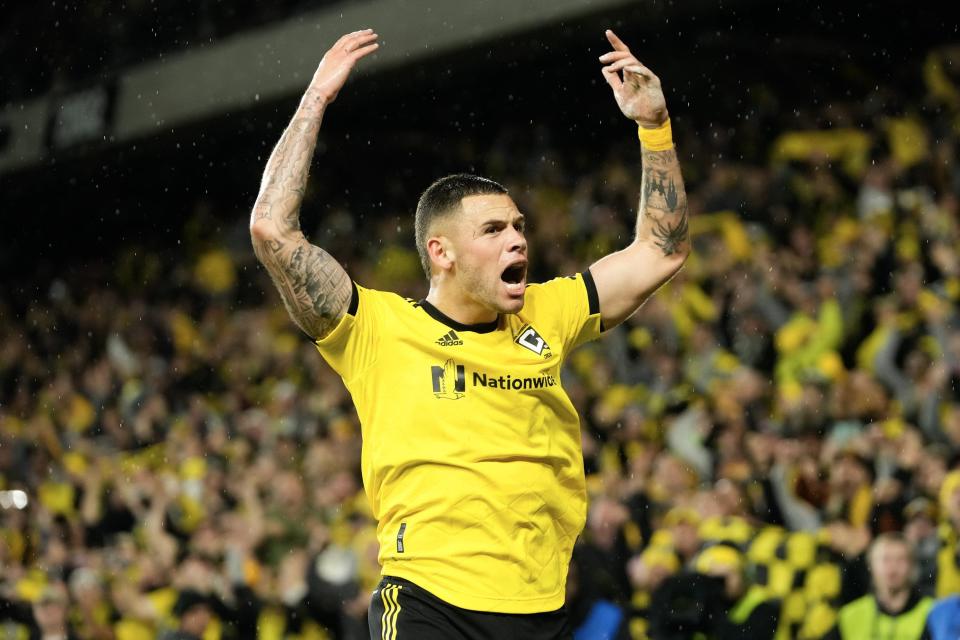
(336,65)
(638,94)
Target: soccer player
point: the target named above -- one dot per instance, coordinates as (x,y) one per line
(471,453)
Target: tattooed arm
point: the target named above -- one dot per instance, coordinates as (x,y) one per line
(625,279)
(314,287)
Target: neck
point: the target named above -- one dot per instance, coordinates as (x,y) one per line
(893,600)
(458,305)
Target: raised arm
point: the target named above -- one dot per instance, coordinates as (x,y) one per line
(625,279)
(314,287)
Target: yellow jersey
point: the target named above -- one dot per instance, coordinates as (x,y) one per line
(471,455)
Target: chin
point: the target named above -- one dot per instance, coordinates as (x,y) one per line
(511,305)
(510,295)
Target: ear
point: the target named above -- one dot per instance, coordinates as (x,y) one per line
(441,252)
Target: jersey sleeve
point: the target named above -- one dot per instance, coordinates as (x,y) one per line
(352,345)
(572,303)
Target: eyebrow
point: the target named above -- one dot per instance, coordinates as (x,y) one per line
(520,218)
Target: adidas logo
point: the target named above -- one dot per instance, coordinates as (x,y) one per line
(450,339)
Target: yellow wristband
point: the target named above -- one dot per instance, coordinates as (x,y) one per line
(659,139)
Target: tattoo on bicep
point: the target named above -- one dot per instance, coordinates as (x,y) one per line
(314,287)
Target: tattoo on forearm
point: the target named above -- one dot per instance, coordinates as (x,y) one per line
(314,287)
(662,217)
(669,238)
(671,197)
(285,178)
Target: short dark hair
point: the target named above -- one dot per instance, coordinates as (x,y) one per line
(442,198)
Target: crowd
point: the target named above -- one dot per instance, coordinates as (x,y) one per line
(771,444)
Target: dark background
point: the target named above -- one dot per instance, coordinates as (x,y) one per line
(717,64)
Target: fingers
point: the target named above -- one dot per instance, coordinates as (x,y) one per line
(612,78)
(348,41)
(611,56)
(619,59)
(642,71)
(616,42)
(359,41)
(622,64)
(362,51)
(343,39)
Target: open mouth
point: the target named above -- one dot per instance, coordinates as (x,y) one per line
(514,274)
(515,277)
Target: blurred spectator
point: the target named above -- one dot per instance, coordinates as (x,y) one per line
(943,621)
(895,607)
(715,600)
(46,619)
(195,613)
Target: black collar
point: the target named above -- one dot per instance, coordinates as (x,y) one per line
(907,606)
(440,316)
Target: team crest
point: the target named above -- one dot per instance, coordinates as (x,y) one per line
(528,338)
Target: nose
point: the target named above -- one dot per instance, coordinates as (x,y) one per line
(517,242)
